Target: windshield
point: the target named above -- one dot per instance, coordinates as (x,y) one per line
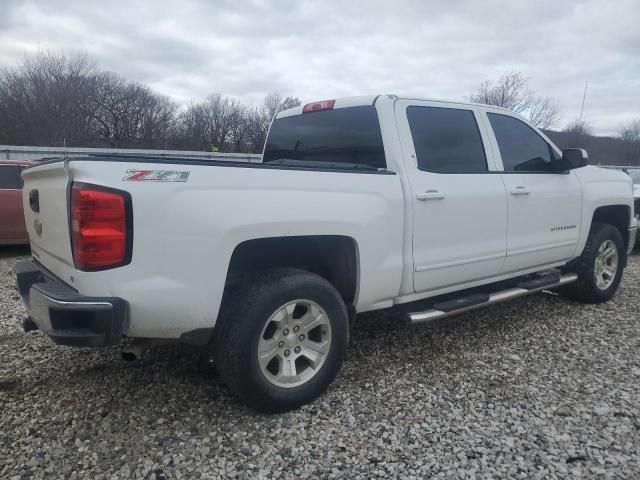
(635,175)
(340,138)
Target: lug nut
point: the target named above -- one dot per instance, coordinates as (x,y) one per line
(285,332)
(287,353)
(297,349)
(281,344)
(296,328)
(301,337)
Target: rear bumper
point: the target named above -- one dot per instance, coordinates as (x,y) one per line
(14,241)
(67,317)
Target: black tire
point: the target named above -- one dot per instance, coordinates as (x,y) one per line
(585,288)
(240,325)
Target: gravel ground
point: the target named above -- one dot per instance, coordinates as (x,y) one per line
(541,387)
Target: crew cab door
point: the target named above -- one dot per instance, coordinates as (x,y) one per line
(545,205)
(459,209)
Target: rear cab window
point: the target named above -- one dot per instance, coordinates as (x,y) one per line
(342,138)
(10,177)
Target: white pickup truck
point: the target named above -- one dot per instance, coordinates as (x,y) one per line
(359,204)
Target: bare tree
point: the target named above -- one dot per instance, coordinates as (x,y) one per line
(128,114)
(512,92)
(578,133)
(56,99)
(220,115)
(274,104)
(579,127)
(630,135)
(256,129)
(543,112)
(159,121)
(224,123)
(630,131)
(260,118)
(191,128)
(46,100)
(240,130)
(212,124)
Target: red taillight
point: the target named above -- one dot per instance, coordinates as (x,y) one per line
(315,106)
(98,227)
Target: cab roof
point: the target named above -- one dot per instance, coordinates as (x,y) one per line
(363,100)
(20,163)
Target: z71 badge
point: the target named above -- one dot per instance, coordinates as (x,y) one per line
(155,176)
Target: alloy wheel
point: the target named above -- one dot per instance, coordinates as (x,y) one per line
(294,343)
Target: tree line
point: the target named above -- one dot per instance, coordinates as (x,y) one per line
(52,99)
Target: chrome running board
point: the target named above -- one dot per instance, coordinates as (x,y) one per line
(471,302)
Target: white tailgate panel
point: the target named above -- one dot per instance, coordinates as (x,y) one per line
(49,228)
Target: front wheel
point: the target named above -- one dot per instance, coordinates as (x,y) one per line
(281,339)
(600,266)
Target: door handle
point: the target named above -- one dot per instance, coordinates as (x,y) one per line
(431,194)
(520,190)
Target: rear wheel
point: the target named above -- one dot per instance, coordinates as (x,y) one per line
(600,266)
(281,339)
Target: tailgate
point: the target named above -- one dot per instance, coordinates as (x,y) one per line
(44,197)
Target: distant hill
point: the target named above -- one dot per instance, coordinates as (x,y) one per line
(601,150)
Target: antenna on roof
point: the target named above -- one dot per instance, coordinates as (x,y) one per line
(584,97)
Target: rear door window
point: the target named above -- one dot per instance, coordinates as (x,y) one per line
(341,138)
(10,177)
(446,140)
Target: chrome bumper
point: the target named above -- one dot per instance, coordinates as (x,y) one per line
(67,317)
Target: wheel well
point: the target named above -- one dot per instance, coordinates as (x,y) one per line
(616,215)
(333,257)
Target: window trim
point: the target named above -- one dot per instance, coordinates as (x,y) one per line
(478,128)
(553,149)
(400,141)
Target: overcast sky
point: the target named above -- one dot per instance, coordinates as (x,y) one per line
(326,49)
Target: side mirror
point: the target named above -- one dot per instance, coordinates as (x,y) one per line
(574,158)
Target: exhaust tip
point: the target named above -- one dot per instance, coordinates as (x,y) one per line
(29,325)
(136,349)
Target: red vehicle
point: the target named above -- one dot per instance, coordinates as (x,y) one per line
(12,227)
